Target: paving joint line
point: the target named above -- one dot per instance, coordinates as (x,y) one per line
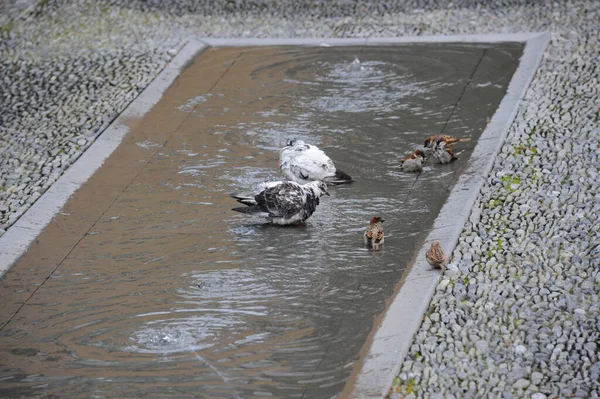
(450,116)
(464,90)
(329,345)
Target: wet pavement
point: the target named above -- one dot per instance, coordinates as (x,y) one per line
(148,284)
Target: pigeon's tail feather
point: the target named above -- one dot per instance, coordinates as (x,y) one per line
(249,209)
(342,176)
(339,178)
(244,199)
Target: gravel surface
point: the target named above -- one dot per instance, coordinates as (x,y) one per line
(12,9)
(521,315)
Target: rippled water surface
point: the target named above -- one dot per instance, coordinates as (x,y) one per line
(170,293)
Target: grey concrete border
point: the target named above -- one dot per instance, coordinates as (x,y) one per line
(21,235)
(243,42)
(496,38)
(394,335)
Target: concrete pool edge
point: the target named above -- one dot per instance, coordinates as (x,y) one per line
(18,238)
(393,337)
(493,38)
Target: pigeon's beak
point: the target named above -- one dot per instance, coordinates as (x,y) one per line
(327,194)
(382,220)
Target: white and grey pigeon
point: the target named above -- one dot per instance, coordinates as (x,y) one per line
(283,202)
(303,163)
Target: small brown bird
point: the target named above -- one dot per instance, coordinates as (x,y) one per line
(439,147)
(414,161)
(435,256)
(449,140)
(374,236)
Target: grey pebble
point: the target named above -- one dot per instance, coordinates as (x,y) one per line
(521,384)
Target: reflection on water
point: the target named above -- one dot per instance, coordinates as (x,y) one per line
(172,294)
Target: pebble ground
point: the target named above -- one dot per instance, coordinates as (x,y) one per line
(519,317)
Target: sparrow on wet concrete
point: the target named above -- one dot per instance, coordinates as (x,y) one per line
(435,256)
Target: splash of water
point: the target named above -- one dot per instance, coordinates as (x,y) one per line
(355,65)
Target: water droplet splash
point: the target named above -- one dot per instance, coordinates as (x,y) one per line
(168,340)
(355,65)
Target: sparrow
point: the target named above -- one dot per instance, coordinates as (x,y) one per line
(439,147)
(302,163)
(449,140)
(374,236)
(435,256)
(283,202)
(414,161)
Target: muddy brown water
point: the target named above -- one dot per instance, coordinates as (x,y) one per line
(148,284)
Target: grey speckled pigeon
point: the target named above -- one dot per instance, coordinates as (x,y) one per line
(283,202)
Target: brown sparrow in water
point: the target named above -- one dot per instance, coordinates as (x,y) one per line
(435,256)
(374,233)
(414,161)
(439,147)
(449,140)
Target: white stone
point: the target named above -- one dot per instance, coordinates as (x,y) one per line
(520,349)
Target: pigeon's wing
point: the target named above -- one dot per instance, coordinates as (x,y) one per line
(330,174)
(302,169)
(312,165)
(250,199)
(265,185)
(292,164)
(319,157)
(282,200)
(286,154)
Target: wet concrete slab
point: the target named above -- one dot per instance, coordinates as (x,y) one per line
(148,284)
